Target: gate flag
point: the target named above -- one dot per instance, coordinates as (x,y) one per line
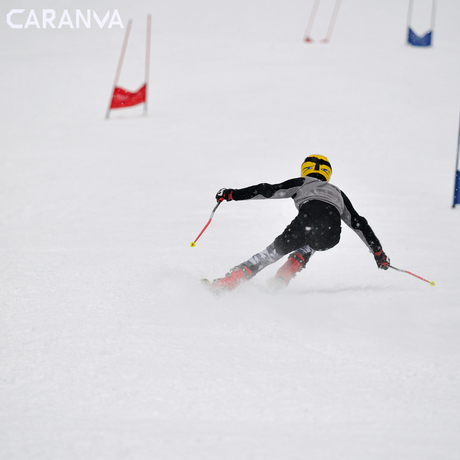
(422,40)
(123,98)
(415,40)
(457,189)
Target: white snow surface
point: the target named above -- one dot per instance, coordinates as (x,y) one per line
(110,348)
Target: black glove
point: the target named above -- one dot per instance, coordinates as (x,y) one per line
(224,194)
(382,260)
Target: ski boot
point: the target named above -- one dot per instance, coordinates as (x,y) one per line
(295,263)
(231,281)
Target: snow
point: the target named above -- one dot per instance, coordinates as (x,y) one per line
(109,347)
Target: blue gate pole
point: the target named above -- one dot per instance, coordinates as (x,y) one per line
(457,175)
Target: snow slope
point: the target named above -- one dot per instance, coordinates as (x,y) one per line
(110,349)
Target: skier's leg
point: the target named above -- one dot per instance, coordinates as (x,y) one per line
(246,270)
(306,252)
(296,262)
(263,259)
(315,228)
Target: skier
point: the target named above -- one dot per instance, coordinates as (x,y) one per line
(317,226)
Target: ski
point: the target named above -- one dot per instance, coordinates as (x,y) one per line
(207,286)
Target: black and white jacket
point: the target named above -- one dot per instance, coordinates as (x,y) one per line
(305,189)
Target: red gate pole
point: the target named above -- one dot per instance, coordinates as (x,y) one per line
(147,61)
(120,63)
(332,23)
(311,20)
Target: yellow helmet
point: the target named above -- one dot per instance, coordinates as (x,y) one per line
(316,166)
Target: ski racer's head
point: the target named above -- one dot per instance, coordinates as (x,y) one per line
(316,166)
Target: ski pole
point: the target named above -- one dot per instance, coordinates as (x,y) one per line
(193,243)
(431,283)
